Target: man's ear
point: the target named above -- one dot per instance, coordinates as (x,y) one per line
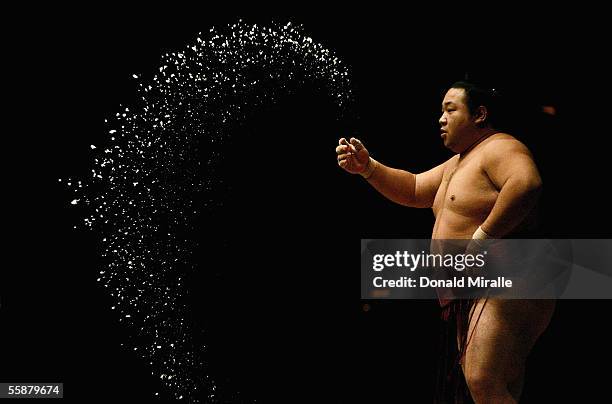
(481,116)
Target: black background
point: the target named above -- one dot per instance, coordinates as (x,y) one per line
(277,298)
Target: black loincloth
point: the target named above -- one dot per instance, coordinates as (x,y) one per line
(451,387)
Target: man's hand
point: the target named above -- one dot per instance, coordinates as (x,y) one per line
(352,157)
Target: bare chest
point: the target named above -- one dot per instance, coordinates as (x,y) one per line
(465,191)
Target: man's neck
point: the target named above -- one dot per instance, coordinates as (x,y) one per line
(485,133)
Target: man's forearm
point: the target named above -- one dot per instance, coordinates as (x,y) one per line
(514,202)
(396,185)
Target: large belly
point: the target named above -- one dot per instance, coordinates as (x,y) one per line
(453,225)
(459,212)
(463,202)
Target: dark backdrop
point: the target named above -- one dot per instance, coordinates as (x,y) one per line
(277,297)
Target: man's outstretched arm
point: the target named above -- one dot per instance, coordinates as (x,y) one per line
(399,186)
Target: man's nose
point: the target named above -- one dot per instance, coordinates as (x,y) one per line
(442,120)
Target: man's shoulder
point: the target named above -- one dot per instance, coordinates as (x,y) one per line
(505,152)
(452,160)
(500,145)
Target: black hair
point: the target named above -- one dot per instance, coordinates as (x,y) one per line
(477,95)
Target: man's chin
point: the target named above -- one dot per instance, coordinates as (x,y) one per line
(452,147)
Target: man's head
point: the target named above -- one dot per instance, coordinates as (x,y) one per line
(466,115)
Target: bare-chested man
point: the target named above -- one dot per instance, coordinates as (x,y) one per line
(488,189)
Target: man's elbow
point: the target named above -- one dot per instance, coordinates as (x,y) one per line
(522,185)
(535,185)
(530,186)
